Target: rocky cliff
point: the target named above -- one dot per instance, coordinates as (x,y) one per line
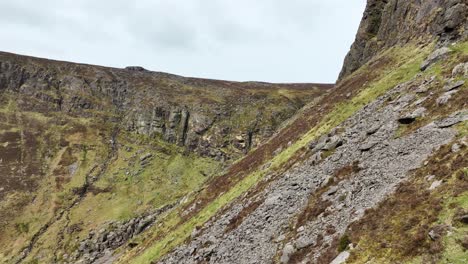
(388,23)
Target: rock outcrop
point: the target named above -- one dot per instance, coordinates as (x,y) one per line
(390,22)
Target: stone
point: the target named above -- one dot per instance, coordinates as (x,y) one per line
(288,250)
(303,242)
(422,89)
(433,235)
(460,70)
(453,86)
(367,146)
(434,57)
(145,157)
(430,177)
(452,120)
(272,200)
(341,258)
(332,190)
(437,232)
(444,98)
(410,118)
(463,218)
(435,185)
(420,101)
(406,99)
(280,238)
(455,148)
(318,144)
(454,16)
(372,130)
(333,142)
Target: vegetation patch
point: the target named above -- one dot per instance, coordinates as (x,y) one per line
(236,221)
(410,226)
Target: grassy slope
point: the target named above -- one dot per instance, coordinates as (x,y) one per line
(173,229)
(117,195)
(397,230)
(31,210)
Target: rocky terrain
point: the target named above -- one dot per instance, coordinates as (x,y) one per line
(103,165)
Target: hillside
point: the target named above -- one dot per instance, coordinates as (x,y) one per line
(105,165)
(83,145)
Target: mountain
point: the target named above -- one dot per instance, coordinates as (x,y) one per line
(104,165)
(83,145)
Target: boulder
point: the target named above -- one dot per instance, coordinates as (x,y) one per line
(303,242)
(135,68)
(333,142)
(460,70)
(453,86)
(373,129)
(410,118)
(463,218)
(319,144)
(438,232)
(367,146)
(341,258)
(145,157)
(435,184)
(288,250)
(452,120)
(454,16)
(434,57)
(444,98)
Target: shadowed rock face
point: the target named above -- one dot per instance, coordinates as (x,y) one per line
(219,119)
(389,22)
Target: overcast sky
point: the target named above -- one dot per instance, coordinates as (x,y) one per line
(261,40)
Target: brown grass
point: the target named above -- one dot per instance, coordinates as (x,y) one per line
(402,222)
(237,220)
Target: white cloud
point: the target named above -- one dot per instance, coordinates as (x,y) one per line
(265,40)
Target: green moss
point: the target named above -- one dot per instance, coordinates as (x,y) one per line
(462,129)
(22,227)
(343,243)
(453,252)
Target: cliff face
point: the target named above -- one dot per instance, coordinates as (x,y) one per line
(218,119)
(390,22)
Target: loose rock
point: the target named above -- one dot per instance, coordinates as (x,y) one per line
(434,57)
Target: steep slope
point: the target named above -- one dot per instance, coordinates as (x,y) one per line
(83,148)
(383,156)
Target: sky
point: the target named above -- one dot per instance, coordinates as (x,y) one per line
(241,40)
